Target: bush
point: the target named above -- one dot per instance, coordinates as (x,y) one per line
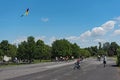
(118,60)
(85,53)
(118,57)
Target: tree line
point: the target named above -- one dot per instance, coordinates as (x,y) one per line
(31,50)
(109,49)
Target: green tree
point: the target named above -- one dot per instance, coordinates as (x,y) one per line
(1,54)
(75,50)
(113,48)
(93,50)
(118,56)
(106,46)
(85,53)
(26,50)
(22,51)
(39,49)
(30,48)
(47,52)
(5,47)
(101,52)
(61,48)
(12,51)
(100,45)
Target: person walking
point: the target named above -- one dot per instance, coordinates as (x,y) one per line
(104,60)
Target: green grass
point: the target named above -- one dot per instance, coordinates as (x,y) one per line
(18,64)
(38,61)
(9,65)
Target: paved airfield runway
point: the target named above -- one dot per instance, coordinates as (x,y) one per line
(91,69)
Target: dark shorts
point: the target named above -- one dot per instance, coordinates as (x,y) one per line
(104,62)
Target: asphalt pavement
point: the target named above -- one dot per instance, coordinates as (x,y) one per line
(91,69)
(21,70)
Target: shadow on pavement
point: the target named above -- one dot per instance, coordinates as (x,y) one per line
(114,65)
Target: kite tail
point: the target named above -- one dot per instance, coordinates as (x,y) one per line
(22,15)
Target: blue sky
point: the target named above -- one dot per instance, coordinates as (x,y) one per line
(85,22)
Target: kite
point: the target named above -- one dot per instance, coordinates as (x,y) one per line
(26,12)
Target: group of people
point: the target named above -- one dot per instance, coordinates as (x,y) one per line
(104,59)
(77,63)
(62,58)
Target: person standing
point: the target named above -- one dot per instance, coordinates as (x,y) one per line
(104,60)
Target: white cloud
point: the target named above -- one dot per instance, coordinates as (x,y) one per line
(109,25)
(45,19)
(85,34)
(116,32)
(89,37)
(19,40)
(40,37)
(100,40)
(97,31)
(117,18)
(73,38)
(51,40)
